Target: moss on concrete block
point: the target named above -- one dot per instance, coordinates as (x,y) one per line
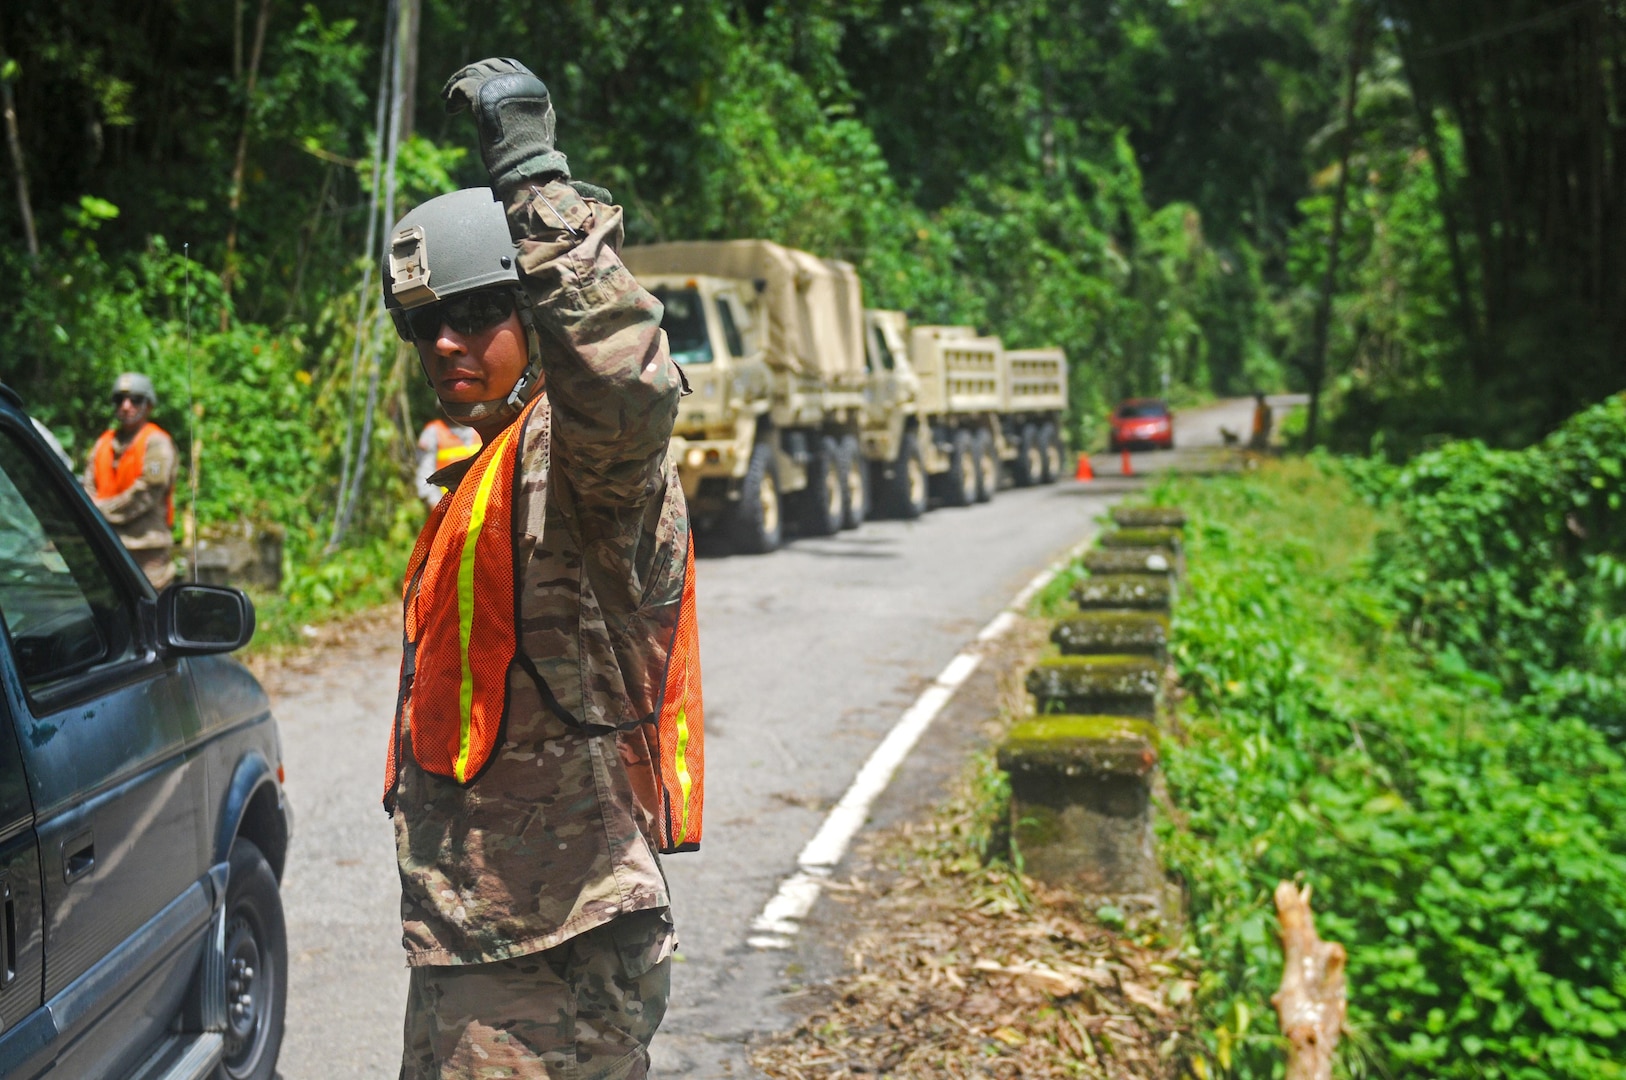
(1138,537)
(1081,745)
(1146,591)
(1132,560)
(1094,632)
(1139,517)
(1112,684)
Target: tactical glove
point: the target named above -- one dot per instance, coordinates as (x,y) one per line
(514,116)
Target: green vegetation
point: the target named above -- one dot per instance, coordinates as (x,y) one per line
(1464,834)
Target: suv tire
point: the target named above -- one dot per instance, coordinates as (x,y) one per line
(1050,452)
(959,483)
(982,444)
(256,967)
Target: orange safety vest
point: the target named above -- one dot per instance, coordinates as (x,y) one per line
(462,640)
(115,479)
(448,447)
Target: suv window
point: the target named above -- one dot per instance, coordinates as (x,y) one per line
(731,332)
(60,605)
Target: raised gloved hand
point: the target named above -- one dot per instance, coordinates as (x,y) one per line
(514,116)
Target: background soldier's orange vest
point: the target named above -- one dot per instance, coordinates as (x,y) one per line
(448,447)
(115,479)
(462,641)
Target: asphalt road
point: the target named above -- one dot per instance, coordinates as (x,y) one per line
(810,656)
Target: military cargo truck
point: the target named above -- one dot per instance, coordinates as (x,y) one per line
(806,406)
(772,344)
(968,415)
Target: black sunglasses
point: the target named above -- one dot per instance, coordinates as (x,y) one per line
(468,314)
(121,397)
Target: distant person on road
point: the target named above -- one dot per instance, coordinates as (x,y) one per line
(131,476)
(1263,421)
(441,444)
(546,745)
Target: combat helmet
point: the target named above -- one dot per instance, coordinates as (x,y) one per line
(136,385)
(454,244)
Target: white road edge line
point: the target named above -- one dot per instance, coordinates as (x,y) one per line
(782,916)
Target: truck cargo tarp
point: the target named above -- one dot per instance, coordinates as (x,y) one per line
(815,306)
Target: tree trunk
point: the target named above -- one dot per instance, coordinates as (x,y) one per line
(408,44)
(1312,1001)
(1316,367)
(14,143)
(228,275)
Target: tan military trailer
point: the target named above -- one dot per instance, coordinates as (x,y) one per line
(805,405)
(961,414)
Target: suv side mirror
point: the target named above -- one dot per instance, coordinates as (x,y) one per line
(195,619)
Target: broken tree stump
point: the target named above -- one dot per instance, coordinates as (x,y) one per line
(1312,1001)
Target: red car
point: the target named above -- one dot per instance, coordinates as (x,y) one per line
(1142,422)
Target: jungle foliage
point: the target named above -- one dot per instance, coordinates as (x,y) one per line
(1150,185)
(1346,723)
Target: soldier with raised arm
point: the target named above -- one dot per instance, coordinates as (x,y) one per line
(541,696)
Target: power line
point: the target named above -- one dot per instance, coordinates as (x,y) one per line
(1535,21)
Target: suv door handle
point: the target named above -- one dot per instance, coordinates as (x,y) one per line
(78,855)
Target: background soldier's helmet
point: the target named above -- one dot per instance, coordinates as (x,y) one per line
(136,386)
(455,244)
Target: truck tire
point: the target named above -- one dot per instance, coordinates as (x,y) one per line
(855,504)
(1050,451)
(256,967)
(823,501)
(1029,467)
(904,494)
(757,526)
(959,483)
(982,445)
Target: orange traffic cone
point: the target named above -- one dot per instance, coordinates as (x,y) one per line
(1129,470)
(1084,471)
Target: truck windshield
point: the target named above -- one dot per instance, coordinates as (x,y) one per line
(685,325)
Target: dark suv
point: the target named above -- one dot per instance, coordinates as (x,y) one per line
(142,821)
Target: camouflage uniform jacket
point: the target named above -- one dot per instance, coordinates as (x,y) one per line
(551,840)
(140,513)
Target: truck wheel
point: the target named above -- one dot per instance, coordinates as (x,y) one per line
(1029,458)
(256,967)
(904,494)
(960,482)
(982,445)
(755,529)
(855,504)
(822,502)
(1050,451)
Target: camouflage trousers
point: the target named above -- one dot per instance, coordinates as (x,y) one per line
(584,1010)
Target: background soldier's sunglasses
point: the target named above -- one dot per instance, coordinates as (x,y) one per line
(137,400)
(468,314)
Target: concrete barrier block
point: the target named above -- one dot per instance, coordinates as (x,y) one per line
(1143,537)
(1152,592)
(1096,632)
(1130,560)
(1116,684)
(1081,806)
(1140,517)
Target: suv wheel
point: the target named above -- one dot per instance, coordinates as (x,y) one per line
(256,967)
(755,529)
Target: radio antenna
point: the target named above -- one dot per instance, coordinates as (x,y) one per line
(194,418)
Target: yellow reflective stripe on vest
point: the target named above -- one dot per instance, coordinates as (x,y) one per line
(465,605)
(683,770)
